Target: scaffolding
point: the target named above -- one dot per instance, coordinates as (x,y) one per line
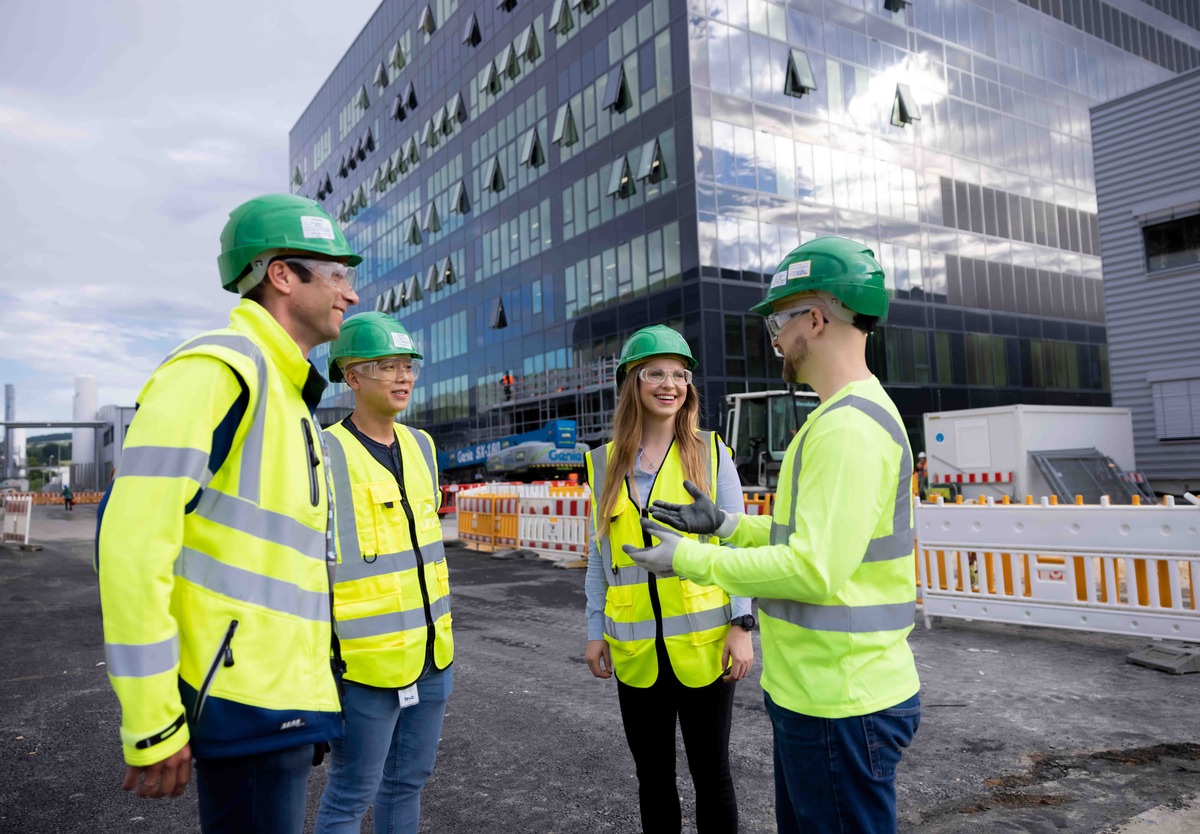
(586,394)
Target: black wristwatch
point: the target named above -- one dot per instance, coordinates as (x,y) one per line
(745,621)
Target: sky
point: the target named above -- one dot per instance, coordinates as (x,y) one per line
(128,131)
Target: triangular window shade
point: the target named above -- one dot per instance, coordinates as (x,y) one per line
(620,181)
(491,79)
(799,78)
(427,24)
(460,201)
(496,317)
(360,148)
(493,177)
(471,33)
(433,279)
(412,290)
(381,77)
(527,44)
(905,109)
(297,177)
(439,120)
(448,274)
(369,140)
(564,127)
(373,181)
(531,150)
(396,165)
(362,99)
(340,211)
(341,170)
(616,92)
(352,159)
(410,96)
(401,161)
(508,62)
(362,196)
(396,57)
(586,5)
(328,185)
(381,183)
(506,5)
(388,169)
(447,118)
(414,155)
(398,109)
(894,5)
(414,231)
(651,166)
(457,109)
(384,303)
(429,136)
(560,17)
(432,223)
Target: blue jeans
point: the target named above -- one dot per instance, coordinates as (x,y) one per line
(386,756)
(262,794)
(838,775)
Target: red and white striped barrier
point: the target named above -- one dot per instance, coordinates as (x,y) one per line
(554,527)
(18,510)
(974,478)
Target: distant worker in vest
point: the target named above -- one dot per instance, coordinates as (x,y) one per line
(677,647)
(213,547)
(833,568)
(922,476)
(507,381)
(392,593)
(68,498)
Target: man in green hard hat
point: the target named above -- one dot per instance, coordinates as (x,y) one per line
(833,567)
(214,543)
(397,644)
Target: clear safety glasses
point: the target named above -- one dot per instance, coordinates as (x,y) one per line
(388,370)
(777,321)
(336,275)
(657,376)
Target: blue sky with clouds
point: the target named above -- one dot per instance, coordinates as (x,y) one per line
(128,130)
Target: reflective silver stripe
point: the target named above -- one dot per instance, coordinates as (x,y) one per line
(392,623)
(129,660)
(843,618)
(164,462)
(379,565)
(254,588)
(676,626)
(899,543)
(242,515)
(249,486)
(628,575)
(426,447)
(347,527)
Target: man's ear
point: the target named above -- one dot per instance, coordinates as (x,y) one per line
(280,277)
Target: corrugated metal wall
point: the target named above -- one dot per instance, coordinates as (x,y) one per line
(1147,154)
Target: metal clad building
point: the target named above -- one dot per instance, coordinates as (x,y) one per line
(532,180)
(1147,156)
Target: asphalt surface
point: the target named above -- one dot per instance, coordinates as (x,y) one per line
(1023,729)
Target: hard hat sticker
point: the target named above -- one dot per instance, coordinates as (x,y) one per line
(779,279)
(800,269)
(316,227)
(401,340)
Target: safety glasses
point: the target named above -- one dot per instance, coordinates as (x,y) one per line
(388,370)
(777,321)
(657,376)
(336,275)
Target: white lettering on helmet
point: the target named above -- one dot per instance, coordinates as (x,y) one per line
(318,227)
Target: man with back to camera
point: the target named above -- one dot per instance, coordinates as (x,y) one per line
(214,539)
(833,567)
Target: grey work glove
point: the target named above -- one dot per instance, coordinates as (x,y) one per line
(658,558)
(702,516)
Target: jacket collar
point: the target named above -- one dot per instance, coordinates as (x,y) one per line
(253,320)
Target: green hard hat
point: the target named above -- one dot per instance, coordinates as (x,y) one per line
(277,221)
(657,340)
(369,336)
(842,267)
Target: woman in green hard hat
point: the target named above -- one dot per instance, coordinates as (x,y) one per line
(676,647)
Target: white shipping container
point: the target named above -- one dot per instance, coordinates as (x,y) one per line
(986,450)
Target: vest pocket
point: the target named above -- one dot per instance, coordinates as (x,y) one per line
(377,522)
(618,607)
(706,610)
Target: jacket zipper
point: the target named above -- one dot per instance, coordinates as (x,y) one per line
(313,462)
(224,657)
(412,533)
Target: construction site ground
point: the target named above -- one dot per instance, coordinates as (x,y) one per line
(1023,729)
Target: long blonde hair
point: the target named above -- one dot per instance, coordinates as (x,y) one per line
(627,437)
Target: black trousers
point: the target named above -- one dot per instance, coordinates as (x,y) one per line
(704,717)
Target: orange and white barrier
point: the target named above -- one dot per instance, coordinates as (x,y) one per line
(555,527)
(759,503)
(18,510)
(1116,569)
(42,499)
(548,519)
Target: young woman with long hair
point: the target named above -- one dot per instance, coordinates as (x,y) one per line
(676,647)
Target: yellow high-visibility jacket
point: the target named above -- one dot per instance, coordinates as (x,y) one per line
(694,617)
(392,589)
(833,567)
(214,584)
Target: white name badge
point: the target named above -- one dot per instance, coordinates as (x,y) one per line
(409,697)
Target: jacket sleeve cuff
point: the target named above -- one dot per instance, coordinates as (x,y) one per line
(728,525)
(162,745)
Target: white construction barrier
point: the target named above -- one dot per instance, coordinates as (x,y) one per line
(18,510)
(1116,569)
(554,527)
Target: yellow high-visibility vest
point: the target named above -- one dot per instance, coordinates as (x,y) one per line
(217,619)
(392,589)
(694,618)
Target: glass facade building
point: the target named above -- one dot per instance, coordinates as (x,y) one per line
(530,181)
